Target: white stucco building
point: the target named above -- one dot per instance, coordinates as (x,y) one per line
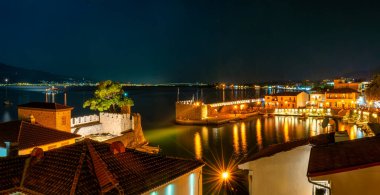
(317,166)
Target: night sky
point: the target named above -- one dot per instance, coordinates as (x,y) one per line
(191,41)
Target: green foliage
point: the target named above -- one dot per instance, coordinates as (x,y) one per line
(109,96)
(372,93)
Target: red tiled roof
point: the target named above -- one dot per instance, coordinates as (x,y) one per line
(89,167)
(277,148)
(29,135)
(287,93)
(45,105)
(342,90)
(344,156)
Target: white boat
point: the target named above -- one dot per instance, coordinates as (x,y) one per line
(7,102)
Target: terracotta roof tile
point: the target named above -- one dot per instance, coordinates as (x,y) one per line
(287,93)
(130,172)
(11,171)
(29,135)
(45,105)
(344,156)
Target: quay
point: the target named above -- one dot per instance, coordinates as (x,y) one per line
(198,113)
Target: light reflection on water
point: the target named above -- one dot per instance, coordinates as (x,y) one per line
(157,109)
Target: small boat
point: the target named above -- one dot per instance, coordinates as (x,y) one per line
(303,116)
(7,102)
(270,115)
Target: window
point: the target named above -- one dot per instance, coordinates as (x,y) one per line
(319,190)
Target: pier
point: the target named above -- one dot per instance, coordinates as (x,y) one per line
(199,113)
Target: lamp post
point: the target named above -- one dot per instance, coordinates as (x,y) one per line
(235,107)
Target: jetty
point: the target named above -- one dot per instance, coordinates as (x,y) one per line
(191,112)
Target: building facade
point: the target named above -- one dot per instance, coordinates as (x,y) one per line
(287,100)
(52,115)
(341,98)
(317,99)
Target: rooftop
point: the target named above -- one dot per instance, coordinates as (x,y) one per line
(91,167)
(287,93)
(344,156)
(29,135)
(277,148)
(45,105)
(342,90)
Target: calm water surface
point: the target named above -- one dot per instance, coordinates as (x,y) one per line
(213,144)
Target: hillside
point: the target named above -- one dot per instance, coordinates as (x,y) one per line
(17,74)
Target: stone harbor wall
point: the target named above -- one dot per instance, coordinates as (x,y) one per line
(84,120)
(115,123)
(88,129)
(132,138)
(126,126)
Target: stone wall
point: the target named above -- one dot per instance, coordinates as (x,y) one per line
(116,123)
(84,120)
(133,138)
(83,130)
(191,111)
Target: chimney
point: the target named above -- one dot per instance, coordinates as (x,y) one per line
(117,147)
(31,119)
(37,152)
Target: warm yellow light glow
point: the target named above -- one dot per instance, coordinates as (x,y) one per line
(225,175)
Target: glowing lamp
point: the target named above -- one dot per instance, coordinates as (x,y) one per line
(225,175)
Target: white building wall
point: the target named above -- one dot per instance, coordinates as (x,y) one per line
(190,183)
(361,181)
(284,173)
(302,98)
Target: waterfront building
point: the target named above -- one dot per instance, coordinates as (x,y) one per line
(21,137)
(341,98)
(91,167)
(317,99)
(346,83)
(287,100)
(52,115)
(283,166)
(316,167)
(349,167)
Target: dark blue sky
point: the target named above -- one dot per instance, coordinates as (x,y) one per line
(189,41)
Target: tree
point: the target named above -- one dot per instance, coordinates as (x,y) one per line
(109,96)
(372,93)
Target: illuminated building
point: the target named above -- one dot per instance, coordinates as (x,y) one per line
(91,167)
(317,99)
(287,100)
(341,98)
(283,166)
(345,83)
(52,115)
(316,166)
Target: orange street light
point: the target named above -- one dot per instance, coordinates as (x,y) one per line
(225,175)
